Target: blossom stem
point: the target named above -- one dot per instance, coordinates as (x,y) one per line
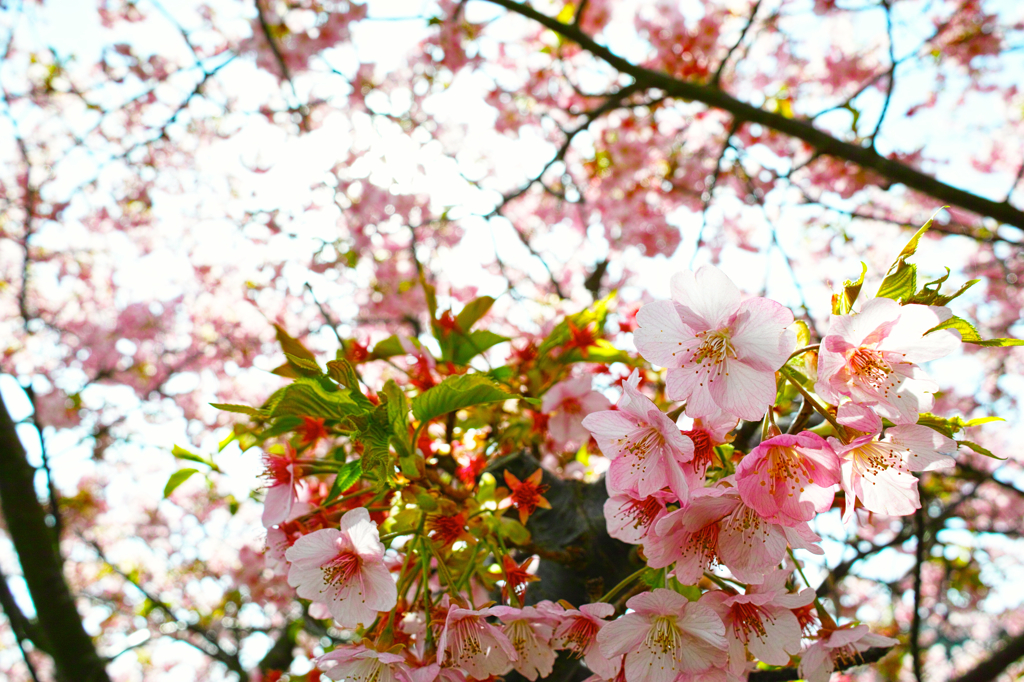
(801,351)
(818,407)
(398,533)
(441,567)
(719,581)
(614,592)
(463,580)
(826,618)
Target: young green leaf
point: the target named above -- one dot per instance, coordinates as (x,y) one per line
(980,450)
(969,334)
(240,409)
(472,312)
(347,476)
(843,303)
(455,393)
(177,478)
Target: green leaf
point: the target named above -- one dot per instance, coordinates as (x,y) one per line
(390,347)
(177,478)
(292,346)
(342,371)
(181,453)
(309,366)
(240,409)
(348,475)
(969,334)
(306,397)
(980,450)
(398,416)
(373,430)
(294,352)
(843,303)
(949,426)
(468,346)
(513,531)
(473,311)
(900,283)
(503,373)
(455,393)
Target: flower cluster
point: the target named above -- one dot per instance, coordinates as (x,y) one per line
(415,542)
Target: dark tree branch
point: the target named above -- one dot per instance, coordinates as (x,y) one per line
(915,622)
(74,657)
(801,129)
(872,655)
(892,72)
(20,625)
(211,648)
(717,78)
(269,35)
(991,667)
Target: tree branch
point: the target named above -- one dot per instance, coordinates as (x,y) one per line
(75,657)
(992,666)
(872,655)
(801,129)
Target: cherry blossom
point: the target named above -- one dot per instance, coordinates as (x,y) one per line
(645,446)
(877,470)
(664,635)
(362,664)
(344,570)
(760,621)
(281,501)
(630,519)
(578,633)
(530,630)
(721,352)
(788,478)
(568,402)
(838,646)
(469,642)
(873,357)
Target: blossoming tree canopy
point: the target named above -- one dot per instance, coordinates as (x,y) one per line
(569,373)
(713,588)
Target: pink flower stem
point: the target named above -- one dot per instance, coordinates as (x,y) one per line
(794,379)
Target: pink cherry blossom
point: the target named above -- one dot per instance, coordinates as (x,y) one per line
(645,446)
(789,477)
(705,432)
(721,352)
(530,630)
(344,570)
(839,646)
(280,503)
(570,401)
(760,621)
(877,471)
(469,642)
(361,664)
(688,537)
(664,635)
(749,545)
(873,357)
(578,633)
(630,519)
